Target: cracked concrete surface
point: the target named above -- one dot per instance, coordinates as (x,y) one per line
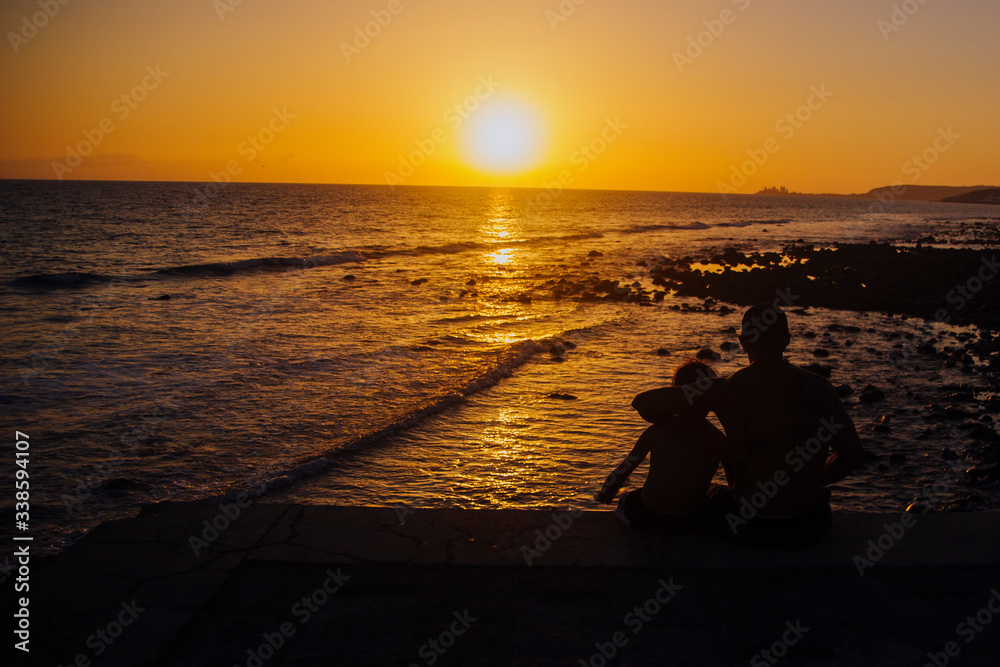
(405,581)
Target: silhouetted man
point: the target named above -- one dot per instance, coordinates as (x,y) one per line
(782,423)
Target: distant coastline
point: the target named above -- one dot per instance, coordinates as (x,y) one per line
(976,194)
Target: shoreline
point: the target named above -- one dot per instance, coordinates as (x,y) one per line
(384,581)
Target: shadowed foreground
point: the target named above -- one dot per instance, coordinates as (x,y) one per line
(306,585)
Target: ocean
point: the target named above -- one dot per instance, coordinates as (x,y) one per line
(356,345)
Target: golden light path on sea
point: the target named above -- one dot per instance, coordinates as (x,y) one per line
(504,276)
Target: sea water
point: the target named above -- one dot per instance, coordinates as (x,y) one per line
(358,345)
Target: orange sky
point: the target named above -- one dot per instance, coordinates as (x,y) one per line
(264,88)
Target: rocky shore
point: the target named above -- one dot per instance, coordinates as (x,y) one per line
(950,286)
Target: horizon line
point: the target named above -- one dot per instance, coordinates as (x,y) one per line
(508,187)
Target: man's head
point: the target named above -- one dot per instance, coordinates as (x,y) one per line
(764,331)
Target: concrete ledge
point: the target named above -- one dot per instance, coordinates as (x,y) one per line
(598,539)
(390,587)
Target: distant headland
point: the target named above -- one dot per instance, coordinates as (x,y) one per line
(976,194)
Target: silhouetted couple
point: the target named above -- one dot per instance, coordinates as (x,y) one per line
(787,437)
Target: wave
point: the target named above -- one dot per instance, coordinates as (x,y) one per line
(640,229)
(514,357)
(456,247)
(71,279)
(61,280)
(262,264)
(748,223)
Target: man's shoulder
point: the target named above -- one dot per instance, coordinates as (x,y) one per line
(813,384)
(808,376)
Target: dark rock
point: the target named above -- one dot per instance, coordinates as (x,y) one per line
(821,353)
(562,397)
(349,277)
(871,394)
(162,297)
(982,474)
(663,352)
(708,354)
(844,390)
(948,454)
(730,346)
(595,253)
(897,458)
(959,505)
(819,369)
(926,347)
(418,281)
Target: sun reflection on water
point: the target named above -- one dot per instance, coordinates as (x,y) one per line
(512,465)
(503,256)
(504,281)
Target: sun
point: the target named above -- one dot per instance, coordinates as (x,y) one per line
(503,137)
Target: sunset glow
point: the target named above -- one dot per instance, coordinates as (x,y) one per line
(504,138)
(453,93)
